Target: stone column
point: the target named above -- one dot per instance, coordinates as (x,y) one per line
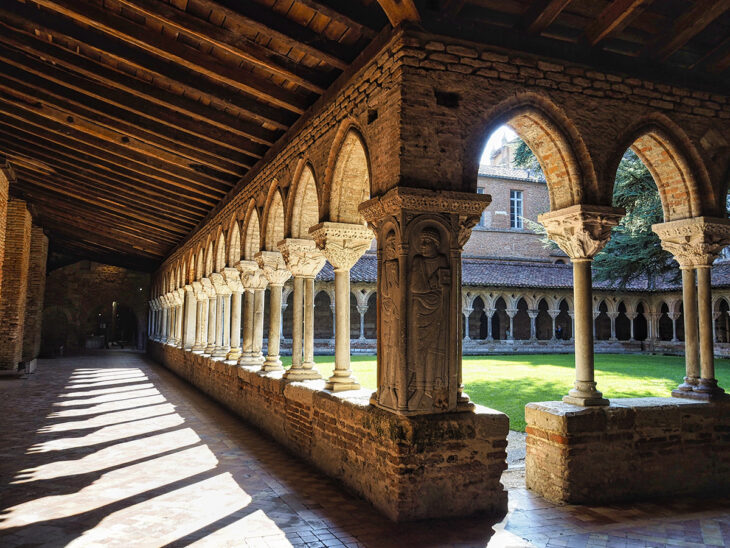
(596,313)
(631,316)
(362,309)
(201,321)
(222,316)
(653,325)
(467,310)
(179,313)
(582,231)
(190,318)
(715,316)
(695,243)
(252,278)
(612,316)
(342,244)
(212,314)
(163,318)
(511,312)
(233,279)
(489,312)
(553,316)
(572,326)
(304,261)
(533,328)
(674,316)
(420,237)
(274,270)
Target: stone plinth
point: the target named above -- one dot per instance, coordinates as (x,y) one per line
(410,468)
(633,449)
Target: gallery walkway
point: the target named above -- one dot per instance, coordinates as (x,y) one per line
(112,450)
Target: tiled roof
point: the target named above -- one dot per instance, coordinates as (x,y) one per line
(504,172)
(493,273)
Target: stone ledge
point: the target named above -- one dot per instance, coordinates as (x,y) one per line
(635,448)
(407,467)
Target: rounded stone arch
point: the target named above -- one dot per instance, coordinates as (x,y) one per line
(209,258)
(234,250)
(274,219)
(347,179)
(251,233)
(219,258)
(552,137)
(675,165)
(303,206)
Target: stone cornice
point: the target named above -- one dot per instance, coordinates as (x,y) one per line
(696,241)
(581,231)
(425,201)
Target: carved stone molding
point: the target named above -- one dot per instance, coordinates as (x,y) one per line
(233,279)
(302,257)
(273,266)
(342,243)
(696,241)
(219,283)
(581,230)
(208,288)
(424,201)
(252,277)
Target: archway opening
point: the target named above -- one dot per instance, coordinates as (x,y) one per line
(350,185)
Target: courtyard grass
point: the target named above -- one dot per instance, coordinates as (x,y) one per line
(508,382)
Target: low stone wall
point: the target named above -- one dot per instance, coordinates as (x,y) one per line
(633,449)
(409,468)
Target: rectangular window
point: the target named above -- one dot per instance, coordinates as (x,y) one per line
(515,209)
(483,220)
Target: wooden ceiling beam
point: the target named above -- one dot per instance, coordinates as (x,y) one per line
(231,42)
(124,29)
(163,72)
(350,14)
(149,166)
(263,20)
(74,168)
(541,13)
(119,81)
(80,251)
(687,27)
(712,56)
(399,11)
(107,160)
(614,16)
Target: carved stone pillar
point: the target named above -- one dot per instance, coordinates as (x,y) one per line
(274,269)
(342,244)
(533,328)
(553,316)
(582,231)
(467,310)
(212,314)
(177,298)
(362,309)
(674,316)
(653,324)
(631,316)
(612,316)
(222,316)
(201,326)
(695,244)
(420,237)
(233,279)
(248,271)
(304,261)
(511,313)
(489,312)
(190,307)
(259,293)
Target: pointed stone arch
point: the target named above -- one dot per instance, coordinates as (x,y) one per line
(209,258)
(200,264)
(348,172)
(190,277)
(234,244)
(252,233)
(552,137)
(274,219)
(303,203)
(219,262)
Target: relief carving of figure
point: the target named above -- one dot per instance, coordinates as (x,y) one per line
(429,285)
(389,296)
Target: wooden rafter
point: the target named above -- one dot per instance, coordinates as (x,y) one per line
(541,14)
(614,16)
(399,11)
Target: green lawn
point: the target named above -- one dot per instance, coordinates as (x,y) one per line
(507,383)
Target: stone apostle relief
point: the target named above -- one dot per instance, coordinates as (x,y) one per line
(390,295)
(429,286)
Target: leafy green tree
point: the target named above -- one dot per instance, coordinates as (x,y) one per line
(633,251)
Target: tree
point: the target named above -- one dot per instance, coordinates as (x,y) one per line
(633,251)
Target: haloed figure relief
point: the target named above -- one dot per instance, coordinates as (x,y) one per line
(429,292)
(390,294)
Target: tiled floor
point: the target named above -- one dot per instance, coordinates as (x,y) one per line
(111,450)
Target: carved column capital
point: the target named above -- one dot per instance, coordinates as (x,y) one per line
(612,315)
(302,257)
(631,315)
(199,291)
(219,284)
(252,277)
(532,314)
(342,243)
(233,280)
(553,313)
(694,242)
(581,231)
(208,288)
(273,266)
(511,312)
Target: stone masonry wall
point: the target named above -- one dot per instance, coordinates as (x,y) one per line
(36,291)
(15,284)
(434,466)
(636,448)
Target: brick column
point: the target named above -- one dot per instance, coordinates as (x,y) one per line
(4,188)
(35,294)
(15,284)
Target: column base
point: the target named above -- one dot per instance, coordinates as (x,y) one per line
(302,374)
(272,363)
(341,384)
(233,356)
(220,352)
(585,395)
(197,349)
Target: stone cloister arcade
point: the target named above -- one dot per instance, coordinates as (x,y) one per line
(378,167)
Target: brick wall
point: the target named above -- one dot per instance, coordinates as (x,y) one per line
(409,468)
(4,187)
(76,294)
(15,284)
(36,291)
(636,448)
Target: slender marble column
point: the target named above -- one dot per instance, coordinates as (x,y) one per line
(467,312)
(708,383)
(253,280)
(258,325)
(201,322)
(233,279)
(222,317)
(190,317)
(511,312)
(612,316)
(212,315)
(631,316)
(342,244)
(362,310)
(490,314)
(553,316)
(304,261)
(582,231)
(274,270)
(533,328)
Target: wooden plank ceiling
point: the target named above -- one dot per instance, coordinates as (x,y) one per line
(128,121)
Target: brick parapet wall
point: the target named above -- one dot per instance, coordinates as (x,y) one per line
(35,294)
(4,190)
(636,448)
(15,284)
(409,468)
